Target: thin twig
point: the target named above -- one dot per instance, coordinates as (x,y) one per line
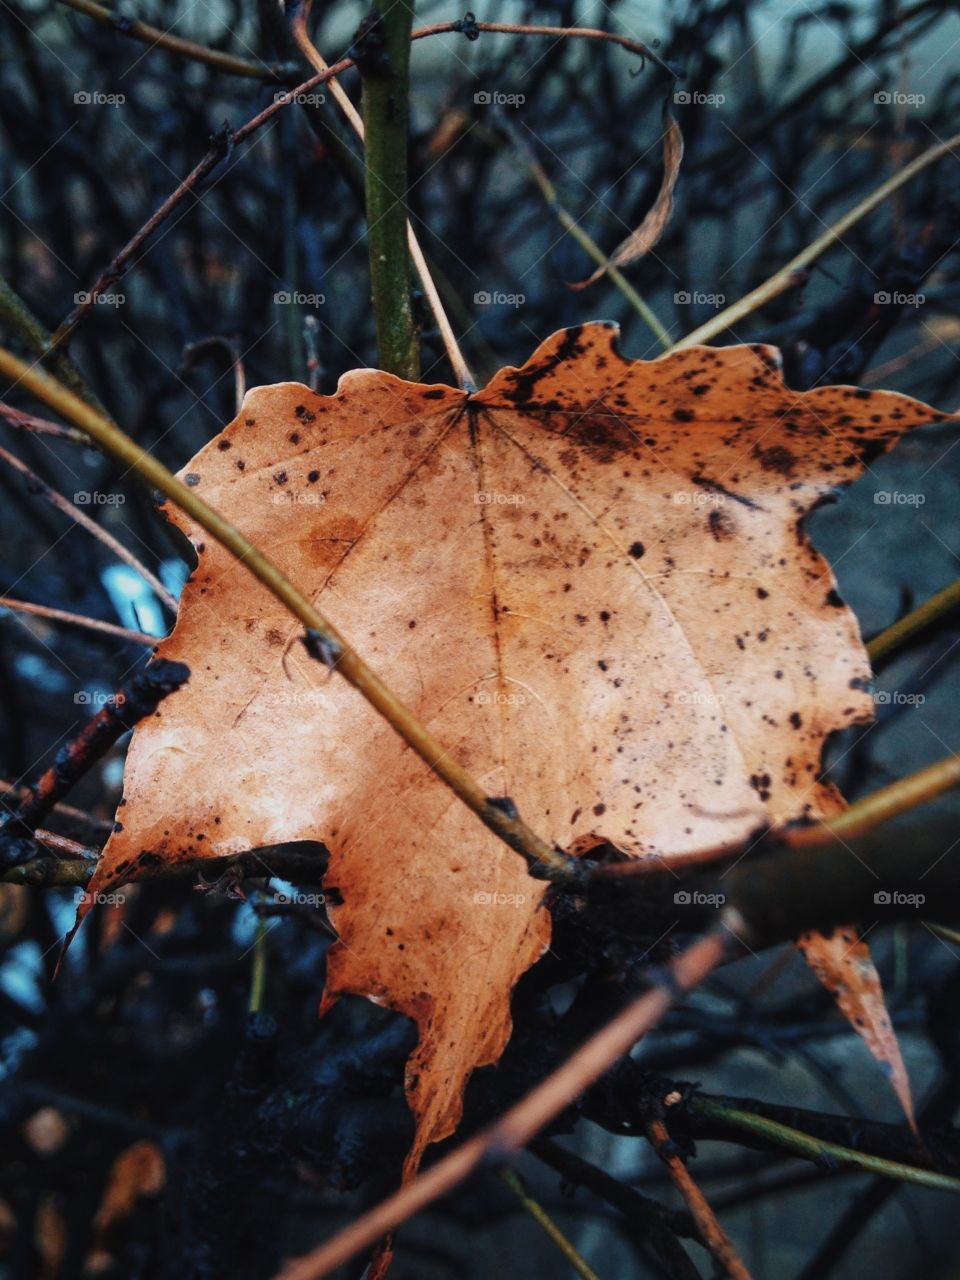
(154,37)
(646,1219)
(794,272)
(802,1144)
(40,426)
(543,1220)
(77,620)
(711,1232)
(542,858)
(523,1121)
(932,610)
(37,485)
(102,825)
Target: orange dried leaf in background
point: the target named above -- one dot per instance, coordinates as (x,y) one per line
(138,1172)
(639,242)
(589,580)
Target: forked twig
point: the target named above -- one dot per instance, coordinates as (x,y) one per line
(226,141)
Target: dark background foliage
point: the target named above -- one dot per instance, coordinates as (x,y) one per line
(276,1131)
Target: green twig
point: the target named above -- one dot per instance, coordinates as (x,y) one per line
(258,976)
(550,1228)
(17,318)
(385,73)
(923,616)
(824,1153)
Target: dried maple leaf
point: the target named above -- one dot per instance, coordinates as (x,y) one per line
(588,579)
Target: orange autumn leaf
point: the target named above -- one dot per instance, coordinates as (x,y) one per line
(589,580)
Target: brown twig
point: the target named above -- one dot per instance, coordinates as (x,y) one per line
(40,426)
(102,825)
(711,1232)
(36,485)
(135,700)
(515,1129)
(154,37)
(195,351)
(210,873)
(76,620)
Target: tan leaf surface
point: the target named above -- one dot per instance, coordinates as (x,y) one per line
(588,580)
